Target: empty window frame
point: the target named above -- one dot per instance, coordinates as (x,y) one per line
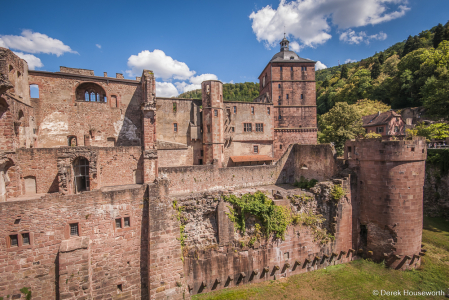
(202,153)
(215,113)
(247,127)
(14,240)
(74,230)
(287,96)
(302,96)
(175,107)
(232,129)
(279,85)
(25,238)
(281,69)
(259,127)
(268,110)
(256,149)
(280,117)
(81,174)
(291,68)
(252,110)
(118,223)
(379,129)
(126,222)
(235,109)
(175,127)
(280,146)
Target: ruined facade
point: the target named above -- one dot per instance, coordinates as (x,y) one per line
(107,191)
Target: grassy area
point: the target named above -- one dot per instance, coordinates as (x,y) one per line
(358,279)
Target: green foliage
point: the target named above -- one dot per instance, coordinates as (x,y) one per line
(344,72)
(245,92)
(341,123)
(373,135)
(274,219)
(337,192)
(439,158)
(439,35)
(368,107)
(314,221)
(305,184)
(27,292)
(375,70)
(182,226)
(436,131)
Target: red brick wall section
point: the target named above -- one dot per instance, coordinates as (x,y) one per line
(391,178)
(120,165)
(285,138)
(117,255)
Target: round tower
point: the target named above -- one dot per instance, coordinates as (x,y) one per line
(213,122)
(390,180)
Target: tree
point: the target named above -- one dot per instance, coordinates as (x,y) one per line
(375,70)
(344,72)
(367,107)
(341,123)
(436,131)
(438,36)
(408,46)
(381,58)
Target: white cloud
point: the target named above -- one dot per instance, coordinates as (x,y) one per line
(98,46)
(185,87)
(162,65)
(320,66)
(34,42)
(351,37)
(295,46)
(309,20)
(203,77)
(33,61)
(166,89)
(349,61)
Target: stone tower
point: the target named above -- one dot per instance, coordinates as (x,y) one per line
(390,180)
(289,81)
(213,122)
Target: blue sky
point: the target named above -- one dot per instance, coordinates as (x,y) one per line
(186,42)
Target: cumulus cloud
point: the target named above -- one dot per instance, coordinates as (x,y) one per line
(162,65)
(349,61)
(34,42)
(203,77)
(166,89)
(351,37)
(295,46)
(98,46)
(33,61)
(320,66)
(309,21)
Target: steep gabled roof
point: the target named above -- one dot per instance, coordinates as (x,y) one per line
(379,118)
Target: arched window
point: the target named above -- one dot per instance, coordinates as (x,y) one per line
(81,174)
(20,116)
(98,97)
(90,92)
(86,96)
(92,97)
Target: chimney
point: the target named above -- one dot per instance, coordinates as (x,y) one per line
(119,75)
(105,74)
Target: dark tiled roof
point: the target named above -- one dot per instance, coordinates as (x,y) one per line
(284,56)
(379,119)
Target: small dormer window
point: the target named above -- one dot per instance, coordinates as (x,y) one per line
(292,57)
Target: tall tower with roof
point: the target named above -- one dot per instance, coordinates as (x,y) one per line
(289,82)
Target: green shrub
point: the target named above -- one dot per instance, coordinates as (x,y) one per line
(305,184)
(337,192)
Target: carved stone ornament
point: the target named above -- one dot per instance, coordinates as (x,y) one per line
(150,154)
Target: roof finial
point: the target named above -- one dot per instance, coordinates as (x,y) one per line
(284,31)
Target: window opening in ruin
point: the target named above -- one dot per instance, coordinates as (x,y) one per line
(18,74)
(118,223)
(279,97)
(279,85)
(17,221)
(247,127)
(202,153)
(20,116)
(71,141)
(98,97)
(235,109)
(259,127)
(14,240)
(34,91)
(81,171)
(363,235)
(256,149)
(287,96)
(280,117)
(92,97)
(86,96)
(302,96)
(174,107)
(215,113)
(280,102)
(252,110)
(105,99)
(200,161)
(175,127)
(119,288)
(126,222)
(268,110)
(25,238)
(280,146)
(74,229)
(281,69)
(413,149)
(11,68)
(379,129)
(305,68)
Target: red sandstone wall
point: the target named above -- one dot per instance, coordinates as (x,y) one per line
(117,256)
(285,137)
(57,93)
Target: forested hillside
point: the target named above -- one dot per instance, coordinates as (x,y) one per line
(409,73)
(231,92)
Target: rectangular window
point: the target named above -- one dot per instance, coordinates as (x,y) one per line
(174,107)
(279,85)
(202,153)
(279,97)
(302,96)
(268,110)
(25,238)
(259,127)
(118,223)
(235,109)
(247,127)
(74,229)
(252,110)
(281,69)
(305,68)
(287,96)
(232,129)
(14,240)
(215,113)
(126,222)
(379,129)
(280,117)
(280,102)
(280,146)
(208,128)
(256,149)
(175,127)
(291,69)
